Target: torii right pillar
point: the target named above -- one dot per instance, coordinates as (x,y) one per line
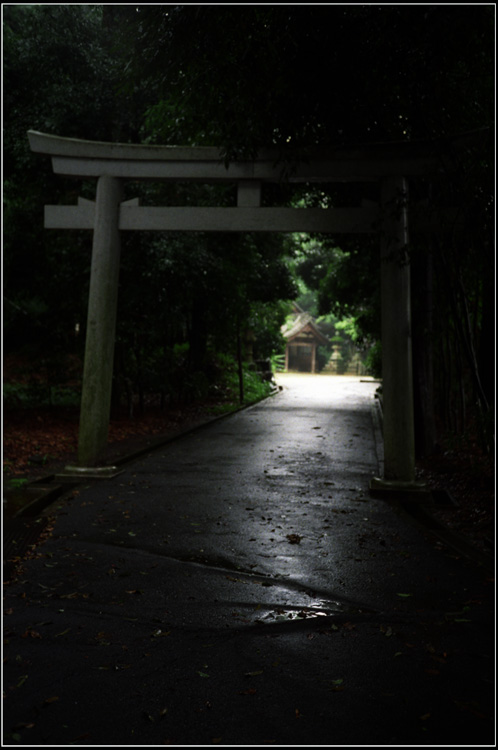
(397,374)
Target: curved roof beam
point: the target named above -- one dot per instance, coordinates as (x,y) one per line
(81,158)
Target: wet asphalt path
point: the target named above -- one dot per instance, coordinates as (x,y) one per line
(239,586)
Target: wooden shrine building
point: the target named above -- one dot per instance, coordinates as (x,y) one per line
(303,339)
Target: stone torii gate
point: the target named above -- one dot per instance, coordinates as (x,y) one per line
(111,164)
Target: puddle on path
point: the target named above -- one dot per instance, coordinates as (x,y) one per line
(275,616)
(291,615)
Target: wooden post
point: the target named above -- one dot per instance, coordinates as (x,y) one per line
(397,377)
(101,324)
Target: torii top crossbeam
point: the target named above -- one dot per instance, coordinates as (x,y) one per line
(81,158)
(91,159)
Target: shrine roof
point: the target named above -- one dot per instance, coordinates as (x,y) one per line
(303,321)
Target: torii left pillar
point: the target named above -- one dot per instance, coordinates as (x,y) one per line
(101,327)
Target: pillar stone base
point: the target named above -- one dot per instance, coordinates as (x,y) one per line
(90,472)
(387,488)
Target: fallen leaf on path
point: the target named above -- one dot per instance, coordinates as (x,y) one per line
(63,632)
(472,706)
(48,701)
(30,634)
(294,538)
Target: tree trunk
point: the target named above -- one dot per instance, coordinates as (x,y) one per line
(239,366)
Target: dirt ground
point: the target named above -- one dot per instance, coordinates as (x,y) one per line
(468,476)
(41,441)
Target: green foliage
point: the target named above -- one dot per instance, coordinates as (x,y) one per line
(254,387)
(202,292)
(350,328)
(373,360)
(35,394)
(225,392)
(342,282)
(241,78)
(55,81)
(191,293)
(278,362)
(17,483)
(298,76)
(336,286)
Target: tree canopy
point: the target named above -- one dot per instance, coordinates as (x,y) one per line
(241,78)
(300,76)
